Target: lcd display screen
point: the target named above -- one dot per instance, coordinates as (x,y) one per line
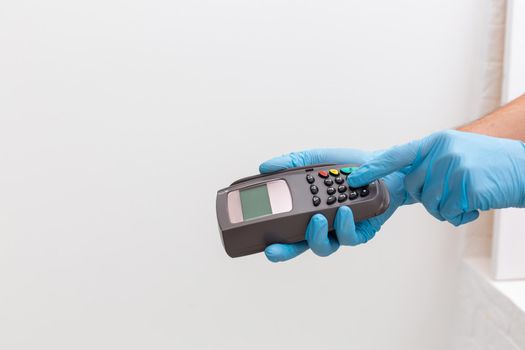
(255,202)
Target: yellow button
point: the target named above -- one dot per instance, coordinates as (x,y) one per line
(333,172)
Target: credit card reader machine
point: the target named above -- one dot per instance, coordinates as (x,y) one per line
(260,210)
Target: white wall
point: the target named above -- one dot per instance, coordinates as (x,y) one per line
(120,120)
(508,261)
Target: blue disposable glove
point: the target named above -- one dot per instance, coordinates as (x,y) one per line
(454,174)
(347,233)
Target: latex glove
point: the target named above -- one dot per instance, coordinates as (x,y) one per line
(454,174)
(347,233)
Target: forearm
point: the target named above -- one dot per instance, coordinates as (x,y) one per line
(506,122)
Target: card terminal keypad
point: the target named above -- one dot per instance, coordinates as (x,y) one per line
(328,176)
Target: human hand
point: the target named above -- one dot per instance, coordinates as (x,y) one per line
(454,174)
(347,232)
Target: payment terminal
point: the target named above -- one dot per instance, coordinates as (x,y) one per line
(260,210)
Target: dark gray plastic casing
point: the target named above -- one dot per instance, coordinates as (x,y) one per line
(254,235)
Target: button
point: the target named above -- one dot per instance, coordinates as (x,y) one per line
(364,192)
(331,200)
(341,188)
(316,201)
(323,174)
(348,170)
(330,190)
(328,182)
(314,189)
(341,198)
(310,179)
(334,172)
(352,194)
(339,180)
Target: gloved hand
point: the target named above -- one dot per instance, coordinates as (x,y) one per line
(347,233)
(454,174)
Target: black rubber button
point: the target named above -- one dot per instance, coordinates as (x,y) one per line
(328,182)
(330,190)
(341,188)
(364,192)
(310,179)
(316,201)
(339,180)
(342,198)
(352,194)
(331,200)
(314,189)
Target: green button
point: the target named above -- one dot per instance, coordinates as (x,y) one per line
(345,171)
(348,170)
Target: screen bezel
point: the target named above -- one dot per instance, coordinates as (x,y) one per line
(278,192)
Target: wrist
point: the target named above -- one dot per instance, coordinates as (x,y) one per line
(521,175)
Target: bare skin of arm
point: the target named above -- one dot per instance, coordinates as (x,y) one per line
(505,122)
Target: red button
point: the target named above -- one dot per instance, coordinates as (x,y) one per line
(323,173)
